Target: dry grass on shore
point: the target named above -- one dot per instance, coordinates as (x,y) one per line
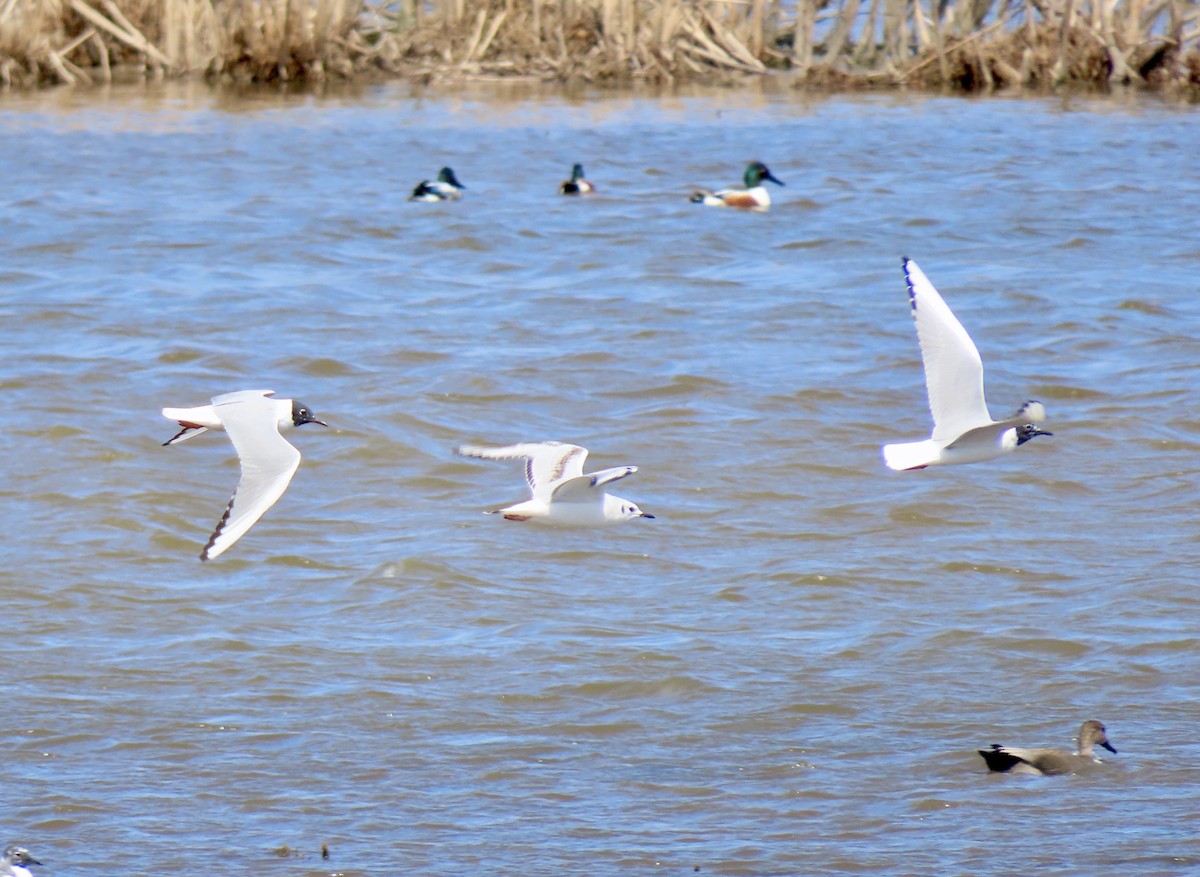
(964,44)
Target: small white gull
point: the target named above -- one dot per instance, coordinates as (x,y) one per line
(253,421)
(963,431)
(561,494)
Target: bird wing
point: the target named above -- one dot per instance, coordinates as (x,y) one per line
(1047,761)
(1031,412)
(953,369)
(582,488)
(999,759)
(268,463)
(545,462)
(187,432)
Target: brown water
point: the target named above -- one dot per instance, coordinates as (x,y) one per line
(787,672)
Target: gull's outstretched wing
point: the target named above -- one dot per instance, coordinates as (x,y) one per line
(583,488)
(268,463)
(546,463)
(953,369)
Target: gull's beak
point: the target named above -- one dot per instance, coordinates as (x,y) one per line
(644,515)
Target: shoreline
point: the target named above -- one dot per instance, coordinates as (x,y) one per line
(610,43)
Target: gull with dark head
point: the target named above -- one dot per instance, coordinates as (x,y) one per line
(14,860)
(1010,759)
(253,420)
(561,494)
(963,431)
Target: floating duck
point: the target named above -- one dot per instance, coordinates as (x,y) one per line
(445,188)
(1009,759)
(577,185)
(753,197)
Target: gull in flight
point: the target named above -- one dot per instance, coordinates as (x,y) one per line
(1009,759)
(963,431)
(253,421)
(562,494)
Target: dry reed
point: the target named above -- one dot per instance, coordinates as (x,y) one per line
(964,44)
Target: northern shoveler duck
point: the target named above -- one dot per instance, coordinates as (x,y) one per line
(577,185)
(753,197)
(445,188)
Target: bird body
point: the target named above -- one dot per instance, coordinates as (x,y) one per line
(199,420)
(577,185)
(253,421)
(753,197)
(1047,762)
(560,493)
(445,188)
(963,430)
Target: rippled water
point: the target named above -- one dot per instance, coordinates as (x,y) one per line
(787,672)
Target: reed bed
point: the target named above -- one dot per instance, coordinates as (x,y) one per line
(963,44)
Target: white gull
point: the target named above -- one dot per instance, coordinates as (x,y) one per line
(253,421)
(963,431)
(561,494)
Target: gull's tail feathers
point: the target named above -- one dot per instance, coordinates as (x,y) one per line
(193,422)
(911,455)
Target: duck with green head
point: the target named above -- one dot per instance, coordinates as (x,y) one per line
(577,185)
(445,188)
(753,197)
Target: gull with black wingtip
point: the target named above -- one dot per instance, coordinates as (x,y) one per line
(253,420)
(963,431)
